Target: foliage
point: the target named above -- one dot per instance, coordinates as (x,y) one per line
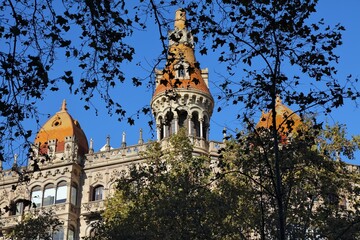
(174,195)
(287,49)
(318,190)
(38,36)
(276,45)
(271,35)
(168,196)
(94,37)
(36,226)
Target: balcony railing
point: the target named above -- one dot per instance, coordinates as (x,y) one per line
(90,207)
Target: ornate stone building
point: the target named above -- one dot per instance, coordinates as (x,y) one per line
(74,179)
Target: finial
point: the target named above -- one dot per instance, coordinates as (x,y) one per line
(91,147)
(141,140)
(107,146)
(278,99)
(123,142)
(224,133)
(180,18)
(63,106)
(15,166)
(15,159)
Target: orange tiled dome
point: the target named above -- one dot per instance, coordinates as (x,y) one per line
(283,115)
(58,127)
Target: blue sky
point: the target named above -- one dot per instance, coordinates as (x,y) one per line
(148,47)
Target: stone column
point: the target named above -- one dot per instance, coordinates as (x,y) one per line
(158,131)
(165,133)
(189,125)
(176,120)
(201,120)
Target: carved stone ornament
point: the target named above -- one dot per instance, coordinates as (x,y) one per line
(4,195)
(115,175)
(98,176)
(20,190)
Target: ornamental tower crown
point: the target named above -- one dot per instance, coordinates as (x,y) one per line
(182,97)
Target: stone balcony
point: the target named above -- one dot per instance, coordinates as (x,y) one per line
(10,221)
(92,207)
(7,222)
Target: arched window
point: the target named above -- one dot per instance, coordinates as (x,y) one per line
(195,131)
(61,192)
(182,70)
(170,123)
(161,130)
(205,127)
(36,196)
(93,232)
(49,195)
(98,193)
(74,194)
(182,119)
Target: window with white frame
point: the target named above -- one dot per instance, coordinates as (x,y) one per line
(61,192)
(36,196)
(182,70)
(49,195)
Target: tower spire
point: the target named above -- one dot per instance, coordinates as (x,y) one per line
(183,85)
(63,106)
(180,19)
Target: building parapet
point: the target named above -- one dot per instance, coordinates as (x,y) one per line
(129,153)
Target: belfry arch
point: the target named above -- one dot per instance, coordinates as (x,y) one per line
(196,123)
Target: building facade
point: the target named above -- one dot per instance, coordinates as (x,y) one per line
(70,178)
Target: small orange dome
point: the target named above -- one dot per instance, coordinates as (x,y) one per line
(58,127)
(286,120)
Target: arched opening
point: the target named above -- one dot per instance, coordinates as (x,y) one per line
(182,119)
(169,124)
(97,193)
(160,128)
(93,232)
(61,192)
(195,125)
(36,196)
(49,195)
(182,70)
(205,127)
